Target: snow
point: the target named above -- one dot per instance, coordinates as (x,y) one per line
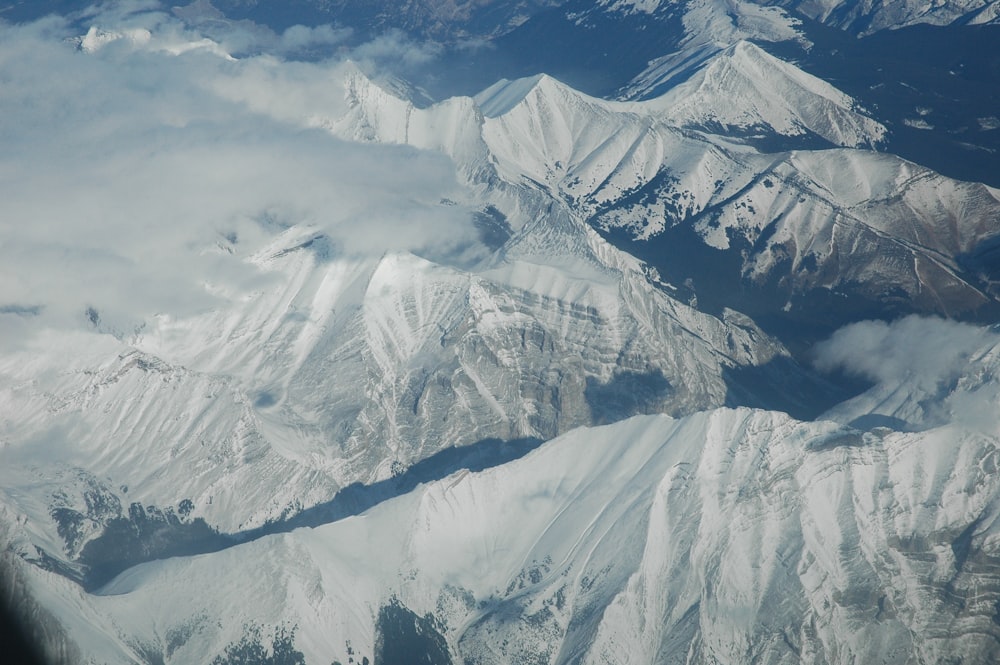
(746,523)
(727,21)
(264,400)
(632,6)
(504,95)
(719,533)
(772,94)
(927,372)
(308,383)
(96,38)
(595,155)
(877,16)
(988,15)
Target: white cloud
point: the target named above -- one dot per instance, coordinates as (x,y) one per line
(927,371)
(395,47)
(120,167)
(299,38)
(244,38)
(913,349)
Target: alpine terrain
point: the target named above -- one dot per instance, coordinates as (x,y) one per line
(548,331)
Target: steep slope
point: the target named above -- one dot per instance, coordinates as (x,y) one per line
(933,87)
(336,365)
(730,536)
(849,221)
(856,223)
(778,102)
(749,227)
(599,46)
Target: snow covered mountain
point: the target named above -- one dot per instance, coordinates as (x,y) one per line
(431,18)
(866,17)
(728,536)
(536,402)
(687,166)
(350,371)
(775,98)
(344,368)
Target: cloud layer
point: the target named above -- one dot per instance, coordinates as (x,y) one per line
(127,154)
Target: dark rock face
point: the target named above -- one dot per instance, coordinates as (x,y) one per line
(435,19)
(402,637)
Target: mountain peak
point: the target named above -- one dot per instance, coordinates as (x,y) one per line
(772,94)
(505,95)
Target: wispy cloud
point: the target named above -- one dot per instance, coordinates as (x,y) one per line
(397,47)
(928,371)
(914,349)
(245,37)
(121,166)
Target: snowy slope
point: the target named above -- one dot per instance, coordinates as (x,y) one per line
(638,166)
(718,22)
(834,217)
(987,15)
(867,16)
(440,19)
(762,19)
(627,166)
(334,365)
(687,35)
(723,537)
(594,153)
(773,95)
(345,369)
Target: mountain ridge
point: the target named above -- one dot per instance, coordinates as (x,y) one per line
(558,401)
(637,496)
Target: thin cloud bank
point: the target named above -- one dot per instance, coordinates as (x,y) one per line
(395,46)
(928,371)
(915,348)
(245,37)
(127,152)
